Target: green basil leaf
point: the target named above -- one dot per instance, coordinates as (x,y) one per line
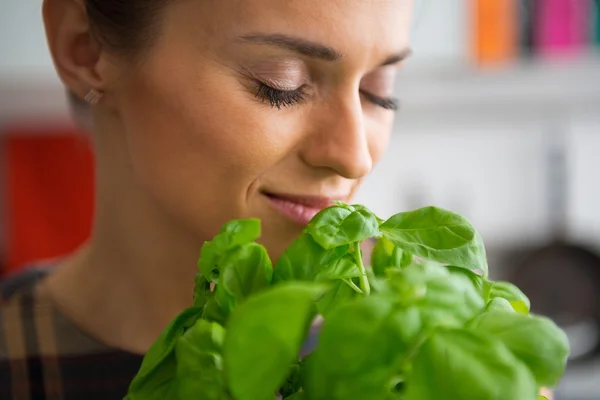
(395,389)
(449,302)
(339,293)
(200,372)
(237,233)
(264,337)
(419,271)
(378,284)
(476,279)
(201,290)
(343,268)
(296,396)
(506,290)
(246,271)
(384,256)
(293,382)
(437,235)
(217,309)
(305,259)
(496,304)
(338,226)
(520,306)
(536,341)
(360,207)
(156,374)
(406,259)
(466,365)
(233,234)
(359,351)
(226,303)
(210,261)
(499,304)
(443,298)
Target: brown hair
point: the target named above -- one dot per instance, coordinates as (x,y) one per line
(125,27)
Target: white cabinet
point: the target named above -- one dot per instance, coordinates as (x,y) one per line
(477,143)
(492,173)
(584,165)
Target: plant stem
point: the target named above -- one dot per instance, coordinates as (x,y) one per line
(353,286)
(364,281)
(416,345)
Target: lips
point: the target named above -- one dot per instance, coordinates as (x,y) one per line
(299,209)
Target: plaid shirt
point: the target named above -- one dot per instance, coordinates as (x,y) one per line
(44,356)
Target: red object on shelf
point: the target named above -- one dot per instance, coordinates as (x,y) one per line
(49,190)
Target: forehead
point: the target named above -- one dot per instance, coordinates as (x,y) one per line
(349,26)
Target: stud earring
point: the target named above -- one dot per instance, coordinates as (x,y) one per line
(93,97)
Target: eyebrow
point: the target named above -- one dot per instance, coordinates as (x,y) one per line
(311,49)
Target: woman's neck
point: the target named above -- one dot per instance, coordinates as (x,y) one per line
(120,305)
(137,271)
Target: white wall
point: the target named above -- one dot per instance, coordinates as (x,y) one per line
(23,46)
(22,43)
(447,19)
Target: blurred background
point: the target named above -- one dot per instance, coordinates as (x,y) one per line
(500,121)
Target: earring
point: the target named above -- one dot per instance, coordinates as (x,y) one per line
(93,97)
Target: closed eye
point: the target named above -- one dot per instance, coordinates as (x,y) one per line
(387,103)
(280,98)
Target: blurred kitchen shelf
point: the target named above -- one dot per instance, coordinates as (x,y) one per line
(523,86)
(425,88)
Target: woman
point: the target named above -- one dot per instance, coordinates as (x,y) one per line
(202,111)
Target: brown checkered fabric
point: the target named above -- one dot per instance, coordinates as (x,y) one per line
(44,356)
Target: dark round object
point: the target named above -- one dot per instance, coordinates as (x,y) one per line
(563,283)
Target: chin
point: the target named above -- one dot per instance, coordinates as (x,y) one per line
(277,235)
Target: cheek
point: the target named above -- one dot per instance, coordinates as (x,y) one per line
(207,122)
(173,124)
(198,141)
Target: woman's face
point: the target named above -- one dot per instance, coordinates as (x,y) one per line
(262,108)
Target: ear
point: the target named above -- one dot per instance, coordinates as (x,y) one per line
(75,52)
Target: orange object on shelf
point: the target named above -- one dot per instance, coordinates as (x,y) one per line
(48,189)
(495,31)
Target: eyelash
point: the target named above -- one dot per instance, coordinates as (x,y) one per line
(280,98)
(286,98)
(387,103)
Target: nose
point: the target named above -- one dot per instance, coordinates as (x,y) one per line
(339,140)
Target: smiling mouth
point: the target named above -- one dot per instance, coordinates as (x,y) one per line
(299,209)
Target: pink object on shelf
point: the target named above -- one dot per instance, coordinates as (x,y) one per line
(563,26)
